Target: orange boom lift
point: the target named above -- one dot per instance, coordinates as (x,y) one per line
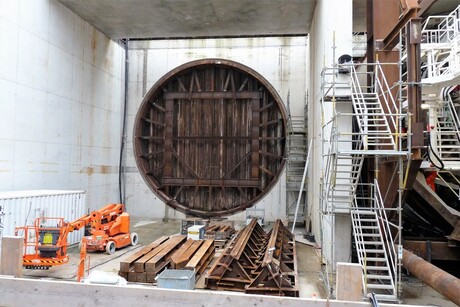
(45,243)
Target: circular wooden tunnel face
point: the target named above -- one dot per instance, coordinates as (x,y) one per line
(209,138)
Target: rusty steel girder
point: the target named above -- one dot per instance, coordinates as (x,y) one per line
(233,270)
(258,262)
(277,273)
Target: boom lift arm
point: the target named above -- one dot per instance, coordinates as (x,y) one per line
(46,246)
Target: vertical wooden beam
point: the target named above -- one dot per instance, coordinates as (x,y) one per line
(11,258)
(349,282)
(168,168)
(255,139)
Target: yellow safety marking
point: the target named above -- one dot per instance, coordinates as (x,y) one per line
(43,261)
(48,238)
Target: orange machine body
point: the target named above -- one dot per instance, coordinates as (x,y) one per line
(46,246)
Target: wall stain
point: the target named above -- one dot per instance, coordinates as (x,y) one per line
(99,169)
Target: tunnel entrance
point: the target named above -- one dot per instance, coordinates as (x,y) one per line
(210,138)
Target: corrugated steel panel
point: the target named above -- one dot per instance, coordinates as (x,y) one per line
(21,208)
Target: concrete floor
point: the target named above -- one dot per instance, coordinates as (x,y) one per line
(308,265)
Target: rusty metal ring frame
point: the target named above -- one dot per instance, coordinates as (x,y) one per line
(210,137)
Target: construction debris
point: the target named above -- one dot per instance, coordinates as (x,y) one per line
(220,231)
(175,252)
(257,262)
(192,221)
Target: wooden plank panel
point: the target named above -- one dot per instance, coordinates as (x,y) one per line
(178,254)
(151,277)
(255,139)
(132,276)
(182,261)
(128,262)
(168,167)
(201,256)
(349,282)
(139,265)
(11,261)
(213,95)
(203,182)
(141,277)
(244,130)
(159,260)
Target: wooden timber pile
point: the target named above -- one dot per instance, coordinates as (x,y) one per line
(220,232)
(257,262)
(175,252)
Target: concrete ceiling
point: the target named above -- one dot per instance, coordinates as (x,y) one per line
(193,18)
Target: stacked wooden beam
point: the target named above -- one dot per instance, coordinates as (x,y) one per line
(257,262)
(127,265)
(173,252)
(202,257)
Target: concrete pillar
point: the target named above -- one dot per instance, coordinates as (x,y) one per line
(343,234)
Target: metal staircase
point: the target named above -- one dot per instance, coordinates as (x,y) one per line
(375,116)
(375,247)
(343,171)
(446,134)
(296,157)
(374,131)
(440,46)
(376,122)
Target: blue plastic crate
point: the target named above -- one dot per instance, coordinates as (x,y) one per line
(176,279)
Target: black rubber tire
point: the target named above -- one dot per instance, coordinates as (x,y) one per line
(134,238)
(110,247)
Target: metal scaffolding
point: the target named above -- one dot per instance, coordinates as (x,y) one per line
(363,124)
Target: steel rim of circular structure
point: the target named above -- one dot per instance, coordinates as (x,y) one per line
(176,171)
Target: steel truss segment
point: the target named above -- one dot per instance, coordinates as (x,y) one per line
(257,262)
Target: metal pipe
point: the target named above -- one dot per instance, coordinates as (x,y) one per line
(121,169)
(439,280)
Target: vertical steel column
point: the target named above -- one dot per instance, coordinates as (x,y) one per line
(414,92)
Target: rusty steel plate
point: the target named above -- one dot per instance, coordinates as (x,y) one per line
(210,137)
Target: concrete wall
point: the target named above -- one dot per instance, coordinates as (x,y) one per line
(61,92)
(324,35)
(282,61)
(23,292)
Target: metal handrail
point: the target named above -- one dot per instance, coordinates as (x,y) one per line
(446,30)
(450,112)
(385,93)
(453,112)
(360,246)
(356,88)
(447,184)
(389,242)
